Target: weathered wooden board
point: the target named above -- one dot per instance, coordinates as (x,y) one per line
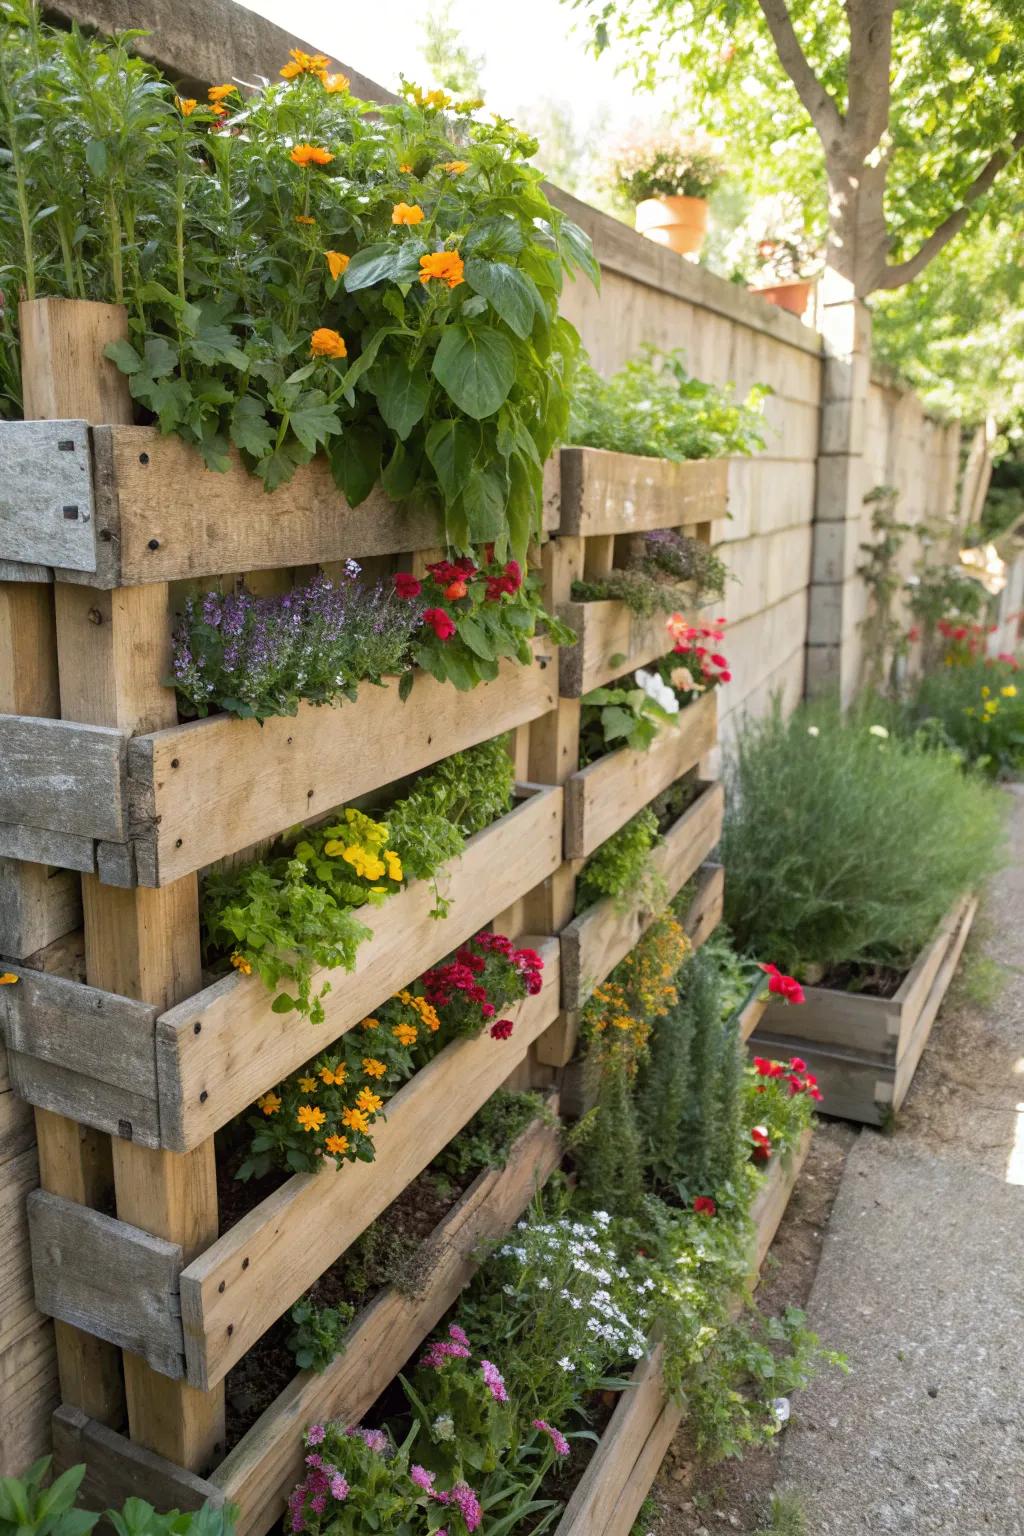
(752,1012)
(221,1048)
(18,1315)
(772,1198)
(61,850)
(63,777)
(263,1468)
(29,1392)
(46,514)
(601,798)
(644,1470)
(914,1040)
(612,641)
(118,1469)
(37,905)
(595,942)
(606,492)
(705,910)
(112,1280)
(238,1287)
(207,789)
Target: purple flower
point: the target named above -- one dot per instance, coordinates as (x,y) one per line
(376,1439)
(468,1505)
(495,1383)
(315,1434)
(558,1440)
(318,1504)
(440,1351)
(312,1460)
(458,1334)
(422,1478)
(339,1487)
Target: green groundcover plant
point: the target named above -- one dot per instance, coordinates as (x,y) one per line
(32,1506)
(668,570)
(845,845)
(304,272)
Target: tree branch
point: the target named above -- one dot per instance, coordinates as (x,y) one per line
(906,271)
(823,111)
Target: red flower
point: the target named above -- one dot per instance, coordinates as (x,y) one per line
(798,1064)
(406,584)
(456,590)
(502,1029)
(444,572)
(719,660)
(725,677)
(761,1067)
(786,987)
(704,1206)
(440,622)
(762,1144)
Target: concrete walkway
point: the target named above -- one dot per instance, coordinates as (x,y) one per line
(921,1283)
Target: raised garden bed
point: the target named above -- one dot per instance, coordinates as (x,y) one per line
(171,1079)
(864,1050)
(261,1469)
(618,1477)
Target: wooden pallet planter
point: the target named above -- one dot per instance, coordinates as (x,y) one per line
(171,1079)
(705,910)
(260,1471)
(612,641)
(753,1010)
(154,807)
(611,493)
(865,1050)
(595,942)
(602,797)
(608,1497)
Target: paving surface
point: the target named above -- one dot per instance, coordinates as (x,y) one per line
(921,1284)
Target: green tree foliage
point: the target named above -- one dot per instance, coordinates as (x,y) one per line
(446,56)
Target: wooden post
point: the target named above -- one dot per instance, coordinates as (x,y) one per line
(112,650)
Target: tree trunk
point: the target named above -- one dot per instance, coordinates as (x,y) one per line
(857,237)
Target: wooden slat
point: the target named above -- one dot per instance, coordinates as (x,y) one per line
(35,911)
(46,494)
(62,776)
(770,1202)
(914,1040)
(601,798)
(850,1021)
(854,1088)
(236,1289)
(917,984)
(705,910)
(752,1012)
(612,641)
(221,1048)
(599,938)
(107,1278)
(29,1392)
(645,1469)
(214,786)
(117,1469)
(606,492)
(46,848)
(267,1462)
(18,1177)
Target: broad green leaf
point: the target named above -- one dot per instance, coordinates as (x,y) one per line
(250,429)
(159,358)
(313,421)
(355,457)
(483,503)
(510,293)
(498,236)
(124,355)
(401,392)
(96,157)
(401,472)
(474,635)
(577,250)
(451,447)
(476,368)
(387,261)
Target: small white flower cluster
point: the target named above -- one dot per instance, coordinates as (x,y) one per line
(657,689)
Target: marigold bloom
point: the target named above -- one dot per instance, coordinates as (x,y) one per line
(327,343)
(405,168)
(374,1068)
(269,1104)
(334,83)
(370,1024)
(307,1084)
(446,266)
(304,218)
(370,1103)
(1009,692)
(407,213)
(337,1144)
(337,263)
(218,93)
(309,1118)
(186,105)
(240,963)
(356,1120)
(334,1074)
(455,167)
(302,63)
(311,154)
(405,1034)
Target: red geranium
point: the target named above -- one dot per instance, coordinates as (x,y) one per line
(502,1029)
(406,584)
(762,1144)
(703,1205)
(786,987)
(440,622)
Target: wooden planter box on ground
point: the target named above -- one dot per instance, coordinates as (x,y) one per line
(197,1321)
(607,493)
(608,1497)
(865,1050)
(172,1079)
(264,1466)
(753,1010)
(599,938)
(601,798)
(154,807)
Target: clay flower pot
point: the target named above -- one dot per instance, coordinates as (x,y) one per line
(678,222)
(793,296)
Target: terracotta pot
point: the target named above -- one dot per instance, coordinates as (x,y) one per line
(793,296)
(678,222)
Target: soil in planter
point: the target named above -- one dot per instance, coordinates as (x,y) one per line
(873,980)
(675,800)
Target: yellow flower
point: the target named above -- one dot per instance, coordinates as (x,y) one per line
(356,1120)
(405,1034)
(305,64)
(311,154)
(394,864)
(333,83)
(186,105)
(240,963)
(218,93)
(437,99)
(366,865)
(304,218)
(374,1068)
(369,1102)
(337,1144)
(455,167)
(405,168)
(307,1084)
(427,1013)
(327,343)
(337,262)
(1009,692)
(370,1024)
(270,1104)
(985,692)
(309,1118)
(471,104)
(333,1074)
(407,213)
(8,979)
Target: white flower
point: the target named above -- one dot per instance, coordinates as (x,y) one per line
(812,730)
(878,730)
(565,1363)
(543,1284)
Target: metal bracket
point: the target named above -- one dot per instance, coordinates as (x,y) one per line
(46,495)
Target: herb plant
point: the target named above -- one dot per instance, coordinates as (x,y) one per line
(489,1137)
(28,1508)
(654,408)
(303,272)
(620,868)
(318,1333)
(620,716)
(667,571)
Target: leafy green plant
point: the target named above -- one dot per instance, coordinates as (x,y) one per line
(620,715)
(654,408)
(669,570)
(879,570)
(786,1516)
(489,1137)
(621,866)
(664,168)
(304,272)
(28,1507)
(318,1333)
(844,846)
(976,706)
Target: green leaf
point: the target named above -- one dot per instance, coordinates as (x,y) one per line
(405,683)
(124,355)
(451,447)
(96,157)
(498,236)
(510,293)
(474,635)
(576,249)
(401,473)
(159,357)
(387,261)
(476,368)
(401,393)
(250,430)
(282,1003)
(355,458)
(313,421)
(483,504)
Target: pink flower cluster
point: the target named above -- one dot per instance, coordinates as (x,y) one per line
(322,1481)
(558,1440)
(690,641)
(462,1496)
(460,978)
(495,1381)
(455,1347)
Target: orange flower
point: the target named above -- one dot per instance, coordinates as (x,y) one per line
(337,262)
(426,1012)
(405,1034)
(455,167)
(310,1119)
(444,265)
(304,218)
(240,963)
(333,1075)
(334,83)
(186,105)
(356,1120)
(369,1102)
(307,1084)
(221,92)
(327,343)
(407,213)
(305,64)
(270,1104)
(374,1068)
(405,168)
(311,154)
(337,1144)
(370,1024)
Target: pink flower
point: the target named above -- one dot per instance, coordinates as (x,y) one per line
(315,1434)
(493,1379)
(458,1334)
(422,1478)
(339,1488)
(558,1440)
(468,1505)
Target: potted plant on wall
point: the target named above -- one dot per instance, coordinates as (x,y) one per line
(668,183)
(787,271)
